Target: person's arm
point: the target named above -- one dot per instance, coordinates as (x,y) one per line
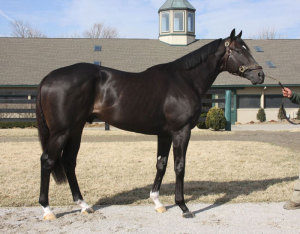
(294,97)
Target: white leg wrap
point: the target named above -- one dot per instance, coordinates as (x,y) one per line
(155,198)
(47,211)
(84,206)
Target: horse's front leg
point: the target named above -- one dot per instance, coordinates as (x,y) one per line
(180,143)
(163,149)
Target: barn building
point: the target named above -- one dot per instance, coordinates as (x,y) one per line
(25,61)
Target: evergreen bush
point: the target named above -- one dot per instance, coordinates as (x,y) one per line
(215,119)
(261,115)
(281,113)
(298,114)
(202,124)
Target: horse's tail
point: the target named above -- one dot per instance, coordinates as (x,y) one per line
(58,171)
(43,129)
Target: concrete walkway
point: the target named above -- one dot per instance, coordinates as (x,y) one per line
(266,127)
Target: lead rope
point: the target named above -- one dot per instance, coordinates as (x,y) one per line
(283,109)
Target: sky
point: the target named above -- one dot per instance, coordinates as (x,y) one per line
(139,18)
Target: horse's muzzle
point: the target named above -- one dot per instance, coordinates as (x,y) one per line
(255,76)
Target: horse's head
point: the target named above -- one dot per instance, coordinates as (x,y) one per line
(239,61)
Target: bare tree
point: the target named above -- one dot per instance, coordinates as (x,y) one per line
(268,33)
(98,30)
(110,33)
(24,30)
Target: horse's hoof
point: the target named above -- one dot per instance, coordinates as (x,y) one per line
(161,209)
(188,215)
(89,210)
(49,216)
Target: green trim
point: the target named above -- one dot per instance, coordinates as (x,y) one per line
(228,109)
(234,109)
(182,8)
(177,34)
(253,86)
(19,86)
(250,94)
(213,96)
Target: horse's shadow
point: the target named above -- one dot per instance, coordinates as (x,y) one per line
(195,189)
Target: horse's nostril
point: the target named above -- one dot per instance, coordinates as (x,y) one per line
(261,74)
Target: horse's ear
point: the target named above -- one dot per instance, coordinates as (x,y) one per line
(232,34)
(240,34)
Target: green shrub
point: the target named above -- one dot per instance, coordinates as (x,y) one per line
(215,119)
(261,115)
(202,124)
(298,114)
(17,124)
(281,113)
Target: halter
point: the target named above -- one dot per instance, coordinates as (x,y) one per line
(242,68)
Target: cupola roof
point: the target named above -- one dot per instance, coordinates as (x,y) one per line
(176,5)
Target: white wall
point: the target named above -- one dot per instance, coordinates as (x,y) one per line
(248,115)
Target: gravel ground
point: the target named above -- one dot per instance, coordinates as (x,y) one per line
(226,218)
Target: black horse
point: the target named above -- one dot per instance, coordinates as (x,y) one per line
(164,100)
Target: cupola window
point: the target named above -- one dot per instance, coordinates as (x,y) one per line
(191,20)
(178,21)
(165,22)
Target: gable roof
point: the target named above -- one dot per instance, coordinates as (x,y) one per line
(176,5)
(27,61)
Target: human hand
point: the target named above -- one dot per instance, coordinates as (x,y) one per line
(286,92)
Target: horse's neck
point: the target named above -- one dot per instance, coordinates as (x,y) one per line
(203,76)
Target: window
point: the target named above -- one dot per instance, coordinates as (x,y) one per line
(275,101)
(165,22)
(97,48)
(271,64)
(97,63)
(258,49)
(248,101)
(178,21)
(191,19)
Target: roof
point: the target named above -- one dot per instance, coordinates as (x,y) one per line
(25,61)
(176,5)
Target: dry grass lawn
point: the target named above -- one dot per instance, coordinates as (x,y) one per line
(123,172)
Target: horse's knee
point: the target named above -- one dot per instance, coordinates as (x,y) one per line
(179,169)
(46,162)
(161,164)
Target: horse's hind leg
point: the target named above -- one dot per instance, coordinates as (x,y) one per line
(69,161)
(163,149)
(50,163)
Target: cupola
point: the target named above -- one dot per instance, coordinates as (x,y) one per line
(177,22)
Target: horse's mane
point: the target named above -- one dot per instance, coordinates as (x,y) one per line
(196,57)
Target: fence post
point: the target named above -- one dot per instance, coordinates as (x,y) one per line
(228,110)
